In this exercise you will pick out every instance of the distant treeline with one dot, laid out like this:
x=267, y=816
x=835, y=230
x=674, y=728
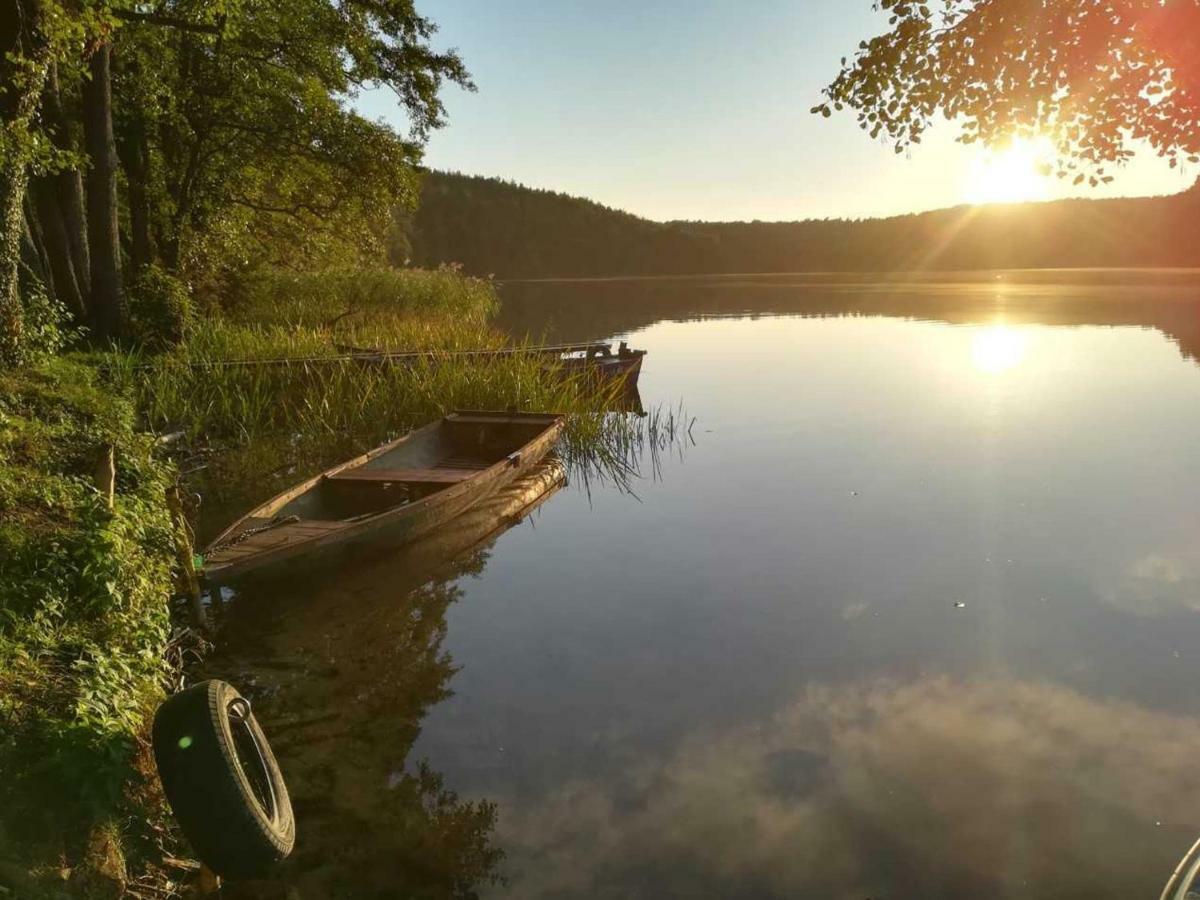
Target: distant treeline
x=500, y=228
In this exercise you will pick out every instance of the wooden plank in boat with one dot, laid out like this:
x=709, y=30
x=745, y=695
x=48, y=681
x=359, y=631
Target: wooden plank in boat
x=413, y=476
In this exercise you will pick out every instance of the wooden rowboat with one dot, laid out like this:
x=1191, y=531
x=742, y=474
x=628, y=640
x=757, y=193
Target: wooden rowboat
x=397, y=492
x=602, y=364
x=597, y=360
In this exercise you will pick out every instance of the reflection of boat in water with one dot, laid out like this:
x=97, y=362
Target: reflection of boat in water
x=479, y=525
x=396, y=492
x=345, y=666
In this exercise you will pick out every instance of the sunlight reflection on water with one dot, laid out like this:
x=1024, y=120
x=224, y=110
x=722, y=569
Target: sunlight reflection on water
x=915, y=617
x=998, y=348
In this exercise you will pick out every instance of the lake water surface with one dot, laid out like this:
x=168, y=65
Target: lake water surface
x=913, y=612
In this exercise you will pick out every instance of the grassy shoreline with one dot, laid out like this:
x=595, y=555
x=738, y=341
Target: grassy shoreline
x=83, y=594
x=85, y=588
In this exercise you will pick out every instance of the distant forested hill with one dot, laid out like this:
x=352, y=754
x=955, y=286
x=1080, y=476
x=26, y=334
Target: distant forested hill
x=500, y=228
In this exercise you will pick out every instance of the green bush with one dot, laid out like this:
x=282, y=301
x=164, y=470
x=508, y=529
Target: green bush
x=160, y=308
x=84, y=615
x=327, y=299
x=46, y=324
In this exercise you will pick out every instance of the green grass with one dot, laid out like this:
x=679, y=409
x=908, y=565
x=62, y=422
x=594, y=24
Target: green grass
x=378, y=298
x=84, y=617
x=84, y=589
x=316, y=408
x=196, y=389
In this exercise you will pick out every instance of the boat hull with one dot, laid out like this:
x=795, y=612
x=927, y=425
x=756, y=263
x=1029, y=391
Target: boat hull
x=390, y=528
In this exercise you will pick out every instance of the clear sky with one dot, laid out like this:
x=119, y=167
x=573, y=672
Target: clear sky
x=694, y=110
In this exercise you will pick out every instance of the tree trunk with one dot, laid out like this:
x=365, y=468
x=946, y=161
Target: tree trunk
x=38, y=264
x=64, y=281
x=32, y=273
x=107, y=301
x=24, y=61
x=65, y=193
x=74, y=210
x=12, y=224
x=135, y=160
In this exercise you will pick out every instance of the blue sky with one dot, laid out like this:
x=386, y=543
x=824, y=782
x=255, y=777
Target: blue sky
x=699, y=110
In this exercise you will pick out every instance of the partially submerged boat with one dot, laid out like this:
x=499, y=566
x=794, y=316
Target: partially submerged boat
x=396, y=492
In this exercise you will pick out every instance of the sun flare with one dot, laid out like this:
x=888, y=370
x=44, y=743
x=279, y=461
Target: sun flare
x=1011, y=174
x=996, y=349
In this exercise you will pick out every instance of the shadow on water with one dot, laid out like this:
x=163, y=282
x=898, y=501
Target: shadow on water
x=342, y=667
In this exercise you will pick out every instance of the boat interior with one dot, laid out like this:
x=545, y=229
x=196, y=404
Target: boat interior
x=428, y=461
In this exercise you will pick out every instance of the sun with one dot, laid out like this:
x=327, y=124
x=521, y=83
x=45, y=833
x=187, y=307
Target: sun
x=1011, y=174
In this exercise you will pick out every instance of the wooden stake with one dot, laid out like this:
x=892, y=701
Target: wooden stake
x=183, y=553
x=105, y=478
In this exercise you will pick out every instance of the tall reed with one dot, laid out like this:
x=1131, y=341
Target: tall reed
x=311, y=405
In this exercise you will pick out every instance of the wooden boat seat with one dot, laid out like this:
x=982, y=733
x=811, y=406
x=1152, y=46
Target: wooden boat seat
x=437, y=475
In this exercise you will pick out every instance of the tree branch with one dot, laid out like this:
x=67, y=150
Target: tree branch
x=166, y=21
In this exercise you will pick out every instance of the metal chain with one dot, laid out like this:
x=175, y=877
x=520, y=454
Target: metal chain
x=250, y=532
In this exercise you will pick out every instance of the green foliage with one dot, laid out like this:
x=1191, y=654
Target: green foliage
x=236, y=135
x=202, y=387
x=160, y=308
x=493, y=226
x=244, y=136
x=47, y=327
x=1092, y=77
x=497, y=227
x=324, y=299
x=84, y=619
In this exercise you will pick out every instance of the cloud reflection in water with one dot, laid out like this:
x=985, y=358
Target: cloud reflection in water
x=931, y=788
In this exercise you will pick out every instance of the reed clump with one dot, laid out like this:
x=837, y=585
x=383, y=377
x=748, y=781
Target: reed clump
x=618, y=450
x=381, y=297
x=273, y=386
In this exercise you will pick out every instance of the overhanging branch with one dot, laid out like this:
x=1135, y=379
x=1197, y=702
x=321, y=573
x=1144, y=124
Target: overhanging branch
x=166, y=21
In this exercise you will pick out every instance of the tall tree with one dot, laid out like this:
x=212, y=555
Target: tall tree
x=212, y=137
x=1093, y=76
x=60, y=209
x=107, y=300
x=24, y=64
x=242, y=128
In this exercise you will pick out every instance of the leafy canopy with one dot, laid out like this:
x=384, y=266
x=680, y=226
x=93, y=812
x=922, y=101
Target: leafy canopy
x=1092, y=76
x=255, y=151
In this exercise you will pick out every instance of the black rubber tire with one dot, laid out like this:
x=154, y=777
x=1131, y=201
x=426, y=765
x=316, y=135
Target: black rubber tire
x=232, y=831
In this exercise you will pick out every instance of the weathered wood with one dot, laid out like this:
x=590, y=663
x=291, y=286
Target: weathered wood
x=184, y=556
x=439, y=475
x=488, y=451
x=105, y=477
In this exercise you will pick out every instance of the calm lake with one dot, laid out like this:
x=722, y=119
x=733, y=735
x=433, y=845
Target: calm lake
x=914, y=611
